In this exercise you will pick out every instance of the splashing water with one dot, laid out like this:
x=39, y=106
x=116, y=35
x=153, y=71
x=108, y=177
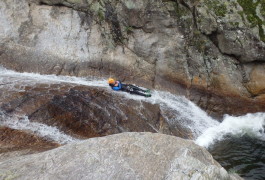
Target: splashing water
x=42, y=130
x=178, y=109
x=250, y=124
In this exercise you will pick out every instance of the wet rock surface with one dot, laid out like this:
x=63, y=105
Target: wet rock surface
x=121, y=156
x=91, y=112
x=16, y=143
x=76, y=110
x=88, y=112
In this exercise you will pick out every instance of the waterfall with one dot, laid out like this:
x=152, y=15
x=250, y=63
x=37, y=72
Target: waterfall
x=175, y=109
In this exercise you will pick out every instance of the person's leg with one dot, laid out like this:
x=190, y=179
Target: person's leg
x=140, y=93
x=137, y=88
x=126, y=87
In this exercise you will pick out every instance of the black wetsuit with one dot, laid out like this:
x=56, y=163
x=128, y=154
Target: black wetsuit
x=133, y=89
x=129, y=88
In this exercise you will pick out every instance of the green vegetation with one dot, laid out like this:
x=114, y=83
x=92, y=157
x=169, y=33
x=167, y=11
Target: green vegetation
x=128, y=29
x=181, y=10
x=234, y=24
x=218, y=8
x=184, y=16
x=99, y=9
x=262, y=9
x=198, y=41
x=249, y=7
x=101, y=15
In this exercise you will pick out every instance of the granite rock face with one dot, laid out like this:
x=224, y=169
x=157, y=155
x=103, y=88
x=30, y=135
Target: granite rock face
x=204, y=50
x=86, y=112
x=40, y=115
x=121, y=156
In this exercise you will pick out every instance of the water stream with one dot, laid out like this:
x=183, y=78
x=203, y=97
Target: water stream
x=237, y=142
x=42, y=130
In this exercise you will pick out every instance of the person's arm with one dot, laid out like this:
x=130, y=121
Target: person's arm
x=117, y=87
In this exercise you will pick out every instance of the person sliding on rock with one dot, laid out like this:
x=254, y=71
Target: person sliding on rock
x=118, y=86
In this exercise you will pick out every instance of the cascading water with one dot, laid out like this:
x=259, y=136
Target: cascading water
x=252, y=125
x=176, y=109
x=206, y=131
x=42, y=130
x=9, y=79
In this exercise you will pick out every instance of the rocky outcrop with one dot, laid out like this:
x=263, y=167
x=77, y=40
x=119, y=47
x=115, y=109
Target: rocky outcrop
x=121, y=156
x=208, y=51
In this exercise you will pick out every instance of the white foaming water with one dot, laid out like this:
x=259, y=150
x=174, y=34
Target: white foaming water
x=183, y=112
x=249, y=124
x=177, y=110
x=42, y=130
x=34, y=78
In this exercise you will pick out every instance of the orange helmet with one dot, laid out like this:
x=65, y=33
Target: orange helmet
x=111, y=81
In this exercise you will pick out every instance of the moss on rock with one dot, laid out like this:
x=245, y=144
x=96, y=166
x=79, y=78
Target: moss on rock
x=219, y=8
x=262, y=10
x=249, y=9
x=181, y=10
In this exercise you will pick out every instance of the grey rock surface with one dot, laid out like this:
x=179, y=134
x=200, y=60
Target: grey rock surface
x=121, y=156
x=238, y=32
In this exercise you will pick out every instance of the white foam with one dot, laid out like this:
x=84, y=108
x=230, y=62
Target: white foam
x=179, y=110
x=42, y=130
x=34, y=78
x=249, y=124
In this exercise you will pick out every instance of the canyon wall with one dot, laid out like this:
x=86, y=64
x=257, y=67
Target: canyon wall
x=211, y=52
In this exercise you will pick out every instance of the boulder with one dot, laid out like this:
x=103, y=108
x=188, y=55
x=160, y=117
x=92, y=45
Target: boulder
x=121, y=156
x=256, y=83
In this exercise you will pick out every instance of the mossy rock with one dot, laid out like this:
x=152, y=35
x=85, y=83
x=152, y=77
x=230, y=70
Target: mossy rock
x=181, y=10
x=219, y=8
x=250, y=10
